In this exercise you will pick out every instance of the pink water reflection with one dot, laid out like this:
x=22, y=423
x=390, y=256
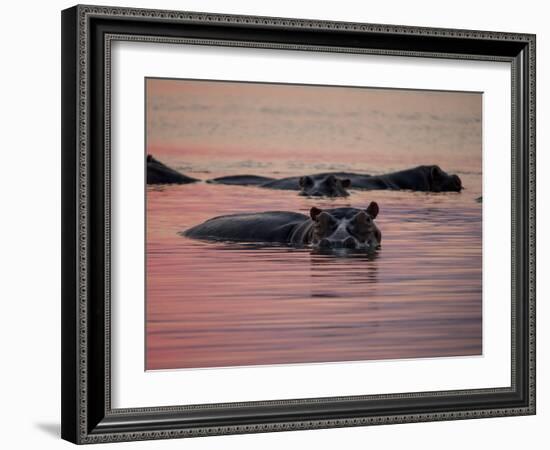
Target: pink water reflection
x=214, y=304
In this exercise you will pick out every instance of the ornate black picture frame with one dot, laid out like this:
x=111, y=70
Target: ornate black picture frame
x=87, y=34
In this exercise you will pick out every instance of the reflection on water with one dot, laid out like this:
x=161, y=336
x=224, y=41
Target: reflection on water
x=214, y=304
x=217, y=304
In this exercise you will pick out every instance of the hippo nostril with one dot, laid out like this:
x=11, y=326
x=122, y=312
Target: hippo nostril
x=324, y=243
x=350, y=243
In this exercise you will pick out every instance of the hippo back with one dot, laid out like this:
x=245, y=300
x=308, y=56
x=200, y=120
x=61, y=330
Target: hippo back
x=288, y=184
x=159, y=173
x=241, y=180
x=270, y=226
x=421, y=178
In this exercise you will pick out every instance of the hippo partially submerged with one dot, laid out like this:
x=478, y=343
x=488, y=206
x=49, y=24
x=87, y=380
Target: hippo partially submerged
x=350, y=228
x=159, y=173
x=327, y=185
x=422, y=178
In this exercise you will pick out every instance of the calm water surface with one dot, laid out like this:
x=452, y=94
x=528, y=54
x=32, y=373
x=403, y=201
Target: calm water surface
x=216, y=304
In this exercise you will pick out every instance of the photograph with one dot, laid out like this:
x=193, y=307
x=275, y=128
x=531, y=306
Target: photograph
x=276, y=220
x=301, y=223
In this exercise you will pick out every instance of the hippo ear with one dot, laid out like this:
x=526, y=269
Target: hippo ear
x=314, y=212
x=306, y=182
x=149, y=158
x=346, y=182
x=373, y=209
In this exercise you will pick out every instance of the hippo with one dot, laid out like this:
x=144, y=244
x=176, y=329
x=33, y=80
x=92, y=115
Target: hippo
x=422, y=178
x=343, y=228
x=159, y=173
x=327, y=185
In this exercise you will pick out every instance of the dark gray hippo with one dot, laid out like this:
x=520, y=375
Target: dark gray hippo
x=321, y=185
x=349, y=228
x=159, y=173
x=422, y=178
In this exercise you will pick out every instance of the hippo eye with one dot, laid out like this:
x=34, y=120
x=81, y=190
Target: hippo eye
x=367, y=219
x=362, y=219
x=325, y=220
x=331, y=222
x=356, y=233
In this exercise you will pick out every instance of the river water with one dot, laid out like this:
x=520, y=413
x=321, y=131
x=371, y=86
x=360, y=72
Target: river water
x=216, y=304
x=221, y=304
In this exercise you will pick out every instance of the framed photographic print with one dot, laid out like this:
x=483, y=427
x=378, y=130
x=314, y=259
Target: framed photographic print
x=277, y=224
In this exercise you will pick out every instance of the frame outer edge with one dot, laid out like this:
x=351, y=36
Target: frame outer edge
x=75, y=210
x=295, y=23
x=532, y=143
x=69, y=264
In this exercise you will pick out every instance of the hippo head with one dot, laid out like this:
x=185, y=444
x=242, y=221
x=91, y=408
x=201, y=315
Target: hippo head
x=441, y=181
x=328, y=186
x=346, y=228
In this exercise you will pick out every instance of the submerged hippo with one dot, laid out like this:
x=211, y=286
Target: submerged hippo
x=350, y=228
x=422, y=178
x=327, y=185
x=159, y=173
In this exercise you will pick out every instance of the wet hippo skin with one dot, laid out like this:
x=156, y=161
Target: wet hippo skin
x=422, y=178
x=328, y=185
x=159, y=173
x=346, y=227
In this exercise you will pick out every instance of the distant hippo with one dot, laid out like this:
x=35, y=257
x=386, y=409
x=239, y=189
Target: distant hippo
x=421, y=178
x=321, y=185
x=159, y=173
x=350, y=228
